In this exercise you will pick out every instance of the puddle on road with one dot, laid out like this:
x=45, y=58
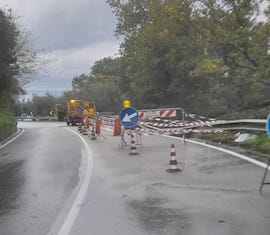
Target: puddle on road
x=154, y=217
x=4, y=154
x=204, y=188
x=11, y=181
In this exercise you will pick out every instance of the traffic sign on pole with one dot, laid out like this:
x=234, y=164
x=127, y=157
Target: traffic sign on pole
x=268, y=164
x=129, y=117
x=268, y=125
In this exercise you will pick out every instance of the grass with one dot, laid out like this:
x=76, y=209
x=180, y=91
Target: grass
x=260, y=144
x=6, y=119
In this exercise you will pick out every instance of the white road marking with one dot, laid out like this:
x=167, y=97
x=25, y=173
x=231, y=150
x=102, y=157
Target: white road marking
x=241, y=156
x=5, y=144
x=74, y=211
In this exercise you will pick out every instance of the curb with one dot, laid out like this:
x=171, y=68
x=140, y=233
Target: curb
x=11, y=138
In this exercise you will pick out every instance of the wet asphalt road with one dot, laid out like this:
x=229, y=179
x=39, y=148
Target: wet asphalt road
x=216, y=193
x=38, y=171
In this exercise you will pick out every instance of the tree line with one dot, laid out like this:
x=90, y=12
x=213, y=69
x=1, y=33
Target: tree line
x=208, y=57
x=18, y=61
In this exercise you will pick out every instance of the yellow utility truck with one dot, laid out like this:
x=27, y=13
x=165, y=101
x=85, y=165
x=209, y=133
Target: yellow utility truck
x=59, y=112
x=76, y=109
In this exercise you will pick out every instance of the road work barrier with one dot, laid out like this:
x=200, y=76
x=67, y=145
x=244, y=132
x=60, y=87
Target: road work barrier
x=144, y=130
x=173, y=162
x=153, y=113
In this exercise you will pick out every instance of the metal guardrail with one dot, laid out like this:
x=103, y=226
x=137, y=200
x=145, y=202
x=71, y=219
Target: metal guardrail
x=242, y=124
x=36, y=118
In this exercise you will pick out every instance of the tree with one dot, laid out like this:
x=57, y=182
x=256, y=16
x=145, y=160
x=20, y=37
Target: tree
x=17, y=59
x=101, y=86
x=207, y=56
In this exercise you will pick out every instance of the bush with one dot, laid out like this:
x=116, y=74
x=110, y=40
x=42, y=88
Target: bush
x=8, y=124
x=6, y=118
x=261, y=143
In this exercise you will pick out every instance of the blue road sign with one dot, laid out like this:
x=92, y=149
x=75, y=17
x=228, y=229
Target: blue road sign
x=129, y=117
x=268, y=125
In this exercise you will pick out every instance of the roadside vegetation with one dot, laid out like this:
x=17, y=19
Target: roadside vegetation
x=6, y=119
x=260, y=144
x=209, y=57
x=17, y=64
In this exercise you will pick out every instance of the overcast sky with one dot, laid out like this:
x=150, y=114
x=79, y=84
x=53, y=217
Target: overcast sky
x=75, y=33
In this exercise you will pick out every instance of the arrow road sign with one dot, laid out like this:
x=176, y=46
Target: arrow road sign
x=129, y=117
x=268, y=125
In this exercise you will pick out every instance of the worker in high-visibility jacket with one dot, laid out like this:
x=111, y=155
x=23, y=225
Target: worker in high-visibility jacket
x=87, y=122
x=85, y=114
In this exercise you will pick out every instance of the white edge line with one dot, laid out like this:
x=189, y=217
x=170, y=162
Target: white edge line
x=241, y=156
x=15, y=137
x=74, y=211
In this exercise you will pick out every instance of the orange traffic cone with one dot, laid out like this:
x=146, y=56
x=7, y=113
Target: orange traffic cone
x=173, y=161
x=98, y=124
x=117, y=127
x=133, y=150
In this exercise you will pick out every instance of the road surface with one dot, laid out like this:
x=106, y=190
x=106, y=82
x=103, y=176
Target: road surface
x=216, y=193
x=38, y=171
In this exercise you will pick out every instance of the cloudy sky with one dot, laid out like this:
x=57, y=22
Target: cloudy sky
x=75, y=33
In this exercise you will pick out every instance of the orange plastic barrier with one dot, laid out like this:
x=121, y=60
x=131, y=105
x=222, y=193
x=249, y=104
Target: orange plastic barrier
x=98, y=124
x=117, y=127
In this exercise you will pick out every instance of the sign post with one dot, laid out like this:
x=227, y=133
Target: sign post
x=129, y=118
x=268, y=164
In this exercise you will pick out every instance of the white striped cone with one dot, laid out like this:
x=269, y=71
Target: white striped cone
x=133, y=150
x=79, y=127
x=93, y=133
x=84, y=132
x=173, y=161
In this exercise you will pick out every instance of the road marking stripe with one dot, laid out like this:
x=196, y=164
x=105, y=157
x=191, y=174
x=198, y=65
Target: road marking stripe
x=74, y=211
x=15, y=137
x=241, y=156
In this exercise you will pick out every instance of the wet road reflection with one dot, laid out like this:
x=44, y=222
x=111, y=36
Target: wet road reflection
x=38, y=171
x=11, y=182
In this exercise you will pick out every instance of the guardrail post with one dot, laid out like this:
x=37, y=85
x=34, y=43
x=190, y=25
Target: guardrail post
x=264, y=176
x=183, y=119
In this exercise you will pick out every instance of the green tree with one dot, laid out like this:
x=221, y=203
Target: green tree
x=17, y=59
x=101, y=86
x=207, y=56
